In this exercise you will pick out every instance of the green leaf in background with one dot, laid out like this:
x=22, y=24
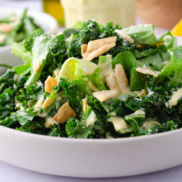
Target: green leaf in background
x=20, y=51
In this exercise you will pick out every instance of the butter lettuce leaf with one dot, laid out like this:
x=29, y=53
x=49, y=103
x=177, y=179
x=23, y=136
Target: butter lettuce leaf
x=142, y=34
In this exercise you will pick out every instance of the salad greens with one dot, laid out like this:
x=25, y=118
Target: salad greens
x=15, y=29
x=94, y=81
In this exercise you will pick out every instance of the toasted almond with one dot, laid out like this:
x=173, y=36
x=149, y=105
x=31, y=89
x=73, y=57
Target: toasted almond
x=92, y=87
x=147, y=71
x=84, y=105
x=64, y=113
x=118, y=80
x=112, y=83
x=49, y=83
x=2, y=38
x=47, y=102
x=36, y=65
x=83, y=49
x=96, y=44
x=91, y=55
x=121, y=79
x=97, y=47
x=105, y=95
x=5, y=27
x=141, y=93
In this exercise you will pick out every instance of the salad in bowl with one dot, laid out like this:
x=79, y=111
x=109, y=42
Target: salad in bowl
x=94, y=81
x=14, y=28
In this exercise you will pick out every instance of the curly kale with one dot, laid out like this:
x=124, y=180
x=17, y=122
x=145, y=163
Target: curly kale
x=91, y=31
x=76, y=129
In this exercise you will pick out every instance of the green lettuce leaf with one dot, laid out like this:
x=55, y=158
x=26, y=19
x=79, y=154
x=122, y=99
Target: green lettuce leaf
x=129, y=63
x=173, y=69
x=142, y=34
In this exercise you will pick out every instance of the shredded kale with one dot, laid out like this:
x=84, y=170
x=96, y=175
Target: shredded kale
x=54, y=72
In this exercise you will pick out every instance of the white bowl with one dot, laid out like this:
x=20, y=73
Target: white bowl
x=179, y=38
x=92, y=158
x=44, y=20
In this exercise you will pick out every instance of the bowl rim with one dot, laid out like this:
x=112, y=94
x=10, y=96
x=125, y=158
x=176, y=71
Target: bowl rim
x=93, y=140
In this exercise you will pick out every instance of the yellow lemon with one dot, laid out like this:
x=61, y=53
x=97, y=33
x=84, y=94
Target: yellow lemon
x=177, y=30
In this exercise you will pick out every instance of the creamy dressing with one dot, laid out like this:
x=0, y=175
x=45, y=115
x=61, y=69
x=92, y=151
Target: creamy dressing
x=109, y=136
x=18, y=104
x=149, y=124
x=39, y=103
x=175, y=97
x=91, y=119
x=119, y=123
x=137, y=112
x=49, y=122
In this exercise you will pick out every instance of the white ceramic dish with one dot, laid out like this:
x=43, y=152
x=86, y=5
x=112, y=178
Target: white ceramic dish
x=44, y=20
x=92, y=158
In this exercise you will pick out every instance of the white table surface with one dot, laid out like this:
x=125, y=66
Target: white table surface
x=9, y=173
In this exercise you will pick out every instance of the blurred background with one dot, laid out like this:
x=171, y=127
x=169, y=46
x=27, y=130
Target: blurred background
x=164, y=14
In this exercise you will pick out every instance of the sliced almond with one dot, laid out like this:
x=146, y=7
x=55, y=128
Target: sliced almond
x=105, y=95
x=64, y=113
x=141, y=93
x=147, y=71
x=121, y=79
x=2, y=38
x=118, y=80
x=112, y=83
x=84, y=105
x=36, y=65
x=56, y=73
x=97, y=47
x=49, y=83
x=47, y=102
x=92, y=87
x=5, y=27
x=125, y=36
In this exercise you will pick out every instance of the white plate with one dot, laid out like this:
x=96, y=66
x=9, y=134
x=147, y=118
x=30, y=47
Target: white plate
x=88, y=157
x=44, y=20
